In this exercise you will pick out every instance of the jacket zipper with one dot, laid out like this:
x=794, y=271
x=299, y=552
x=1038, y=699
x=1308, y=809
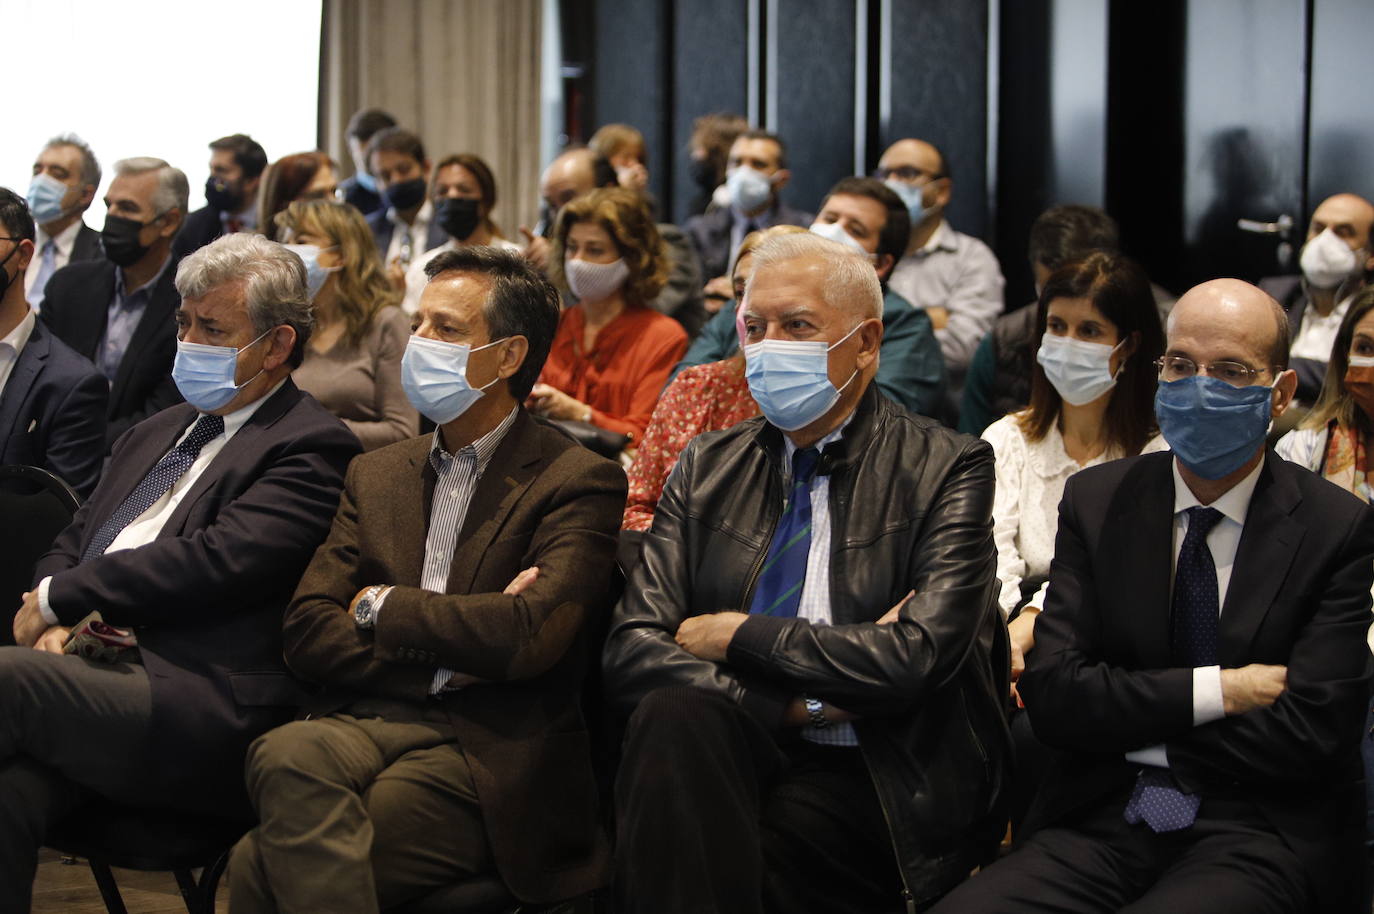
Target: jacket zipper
x=908, y=899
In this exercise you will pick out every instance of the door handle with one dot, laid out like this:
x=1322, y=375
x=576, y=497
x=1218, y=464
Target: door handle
x=1282, y=227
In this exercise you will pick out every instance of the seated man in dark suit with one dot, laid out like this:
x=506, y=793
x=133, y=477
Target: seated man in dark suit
x=446, y=618
x=404, y=225
x=756, y=173
x=1201, y=664
x=237, y=162
x=194, y=539
x=805, y=733
x=118, y=311
x=66, y=175
x=52, y=401
x=360, y=190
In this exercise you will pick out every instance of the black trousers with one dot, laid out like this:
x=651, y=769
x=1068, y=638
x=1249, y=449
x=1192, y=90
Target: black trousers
x=716, y=815
x=1228, y=860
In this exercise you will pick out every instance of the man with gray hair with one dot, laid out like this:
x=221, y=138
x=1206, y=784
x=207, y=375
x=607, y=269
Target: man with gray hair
x=809, y=649
x=191, y=545
x=66, y=175
x=117, y=311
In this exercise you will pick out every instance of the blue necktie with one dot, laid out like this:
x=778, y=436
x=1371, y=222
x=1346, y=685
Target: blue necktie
x=46, y=267
x=1193, y=643
x=157, y=483
x=784, y=570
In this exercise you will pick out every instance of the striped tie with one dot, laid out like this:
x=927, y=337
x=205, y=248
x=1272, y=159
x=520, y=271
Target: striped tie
x=784, y=572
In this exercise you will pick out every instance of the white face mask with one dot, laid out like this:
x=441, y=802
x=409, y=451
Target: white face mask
x=595, y=281
x=833, y=231
x=1080, y=371
x=1327, y=261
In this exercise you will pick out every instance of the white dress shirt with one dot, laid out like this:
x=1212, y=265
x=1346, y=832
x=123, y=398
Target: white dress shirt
x=815, y=595
x=1222, y=542
x=415, y=235
x=12, y=345
x=145, y=528
x=1317, y=334
x=63, y=243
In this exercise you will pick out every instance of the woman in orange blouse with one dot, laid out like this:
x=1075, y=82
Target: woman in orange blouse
x=703, y=398
x=612, y=354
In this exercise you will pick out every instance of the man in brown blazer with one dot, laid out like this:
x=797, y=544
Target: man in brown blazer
x=446, y=619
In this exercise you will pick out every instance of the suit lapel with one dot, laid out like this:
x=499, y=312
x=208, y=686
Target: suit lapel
x=156, y=320
x=139, y=455
x=22, y=376
x=1268, y=543
x=512, y=469
x=1139, y=540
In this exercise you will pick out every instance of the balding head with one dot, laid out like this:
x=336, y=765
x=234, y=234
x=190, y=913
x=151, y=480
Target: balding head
x=1230, y=320
x=915, y=153
x=1350, y=218
x=572, y=174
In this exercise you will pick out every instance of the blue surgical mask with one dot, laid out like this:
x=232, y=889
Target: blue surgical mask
x=366, y=181
x=790, y=379
x=749, y=190
x=912, y=195
x=1211, y=426
x=434, y=375
x=1079, y=370
x=45, y=198
x=315, y=275
x=205, y=374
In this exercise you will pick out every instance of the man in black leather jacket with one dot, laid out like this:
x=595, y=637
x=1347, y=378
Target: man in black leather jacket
x=848, y=755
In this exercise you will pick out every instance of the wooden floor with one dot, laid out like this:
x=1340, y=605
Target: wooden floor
x=70, y=889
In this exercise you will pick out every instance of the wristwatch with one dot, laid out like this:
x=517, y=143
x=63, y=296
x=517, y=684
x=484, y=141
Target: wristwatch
x=815, y=709
x=366, y=607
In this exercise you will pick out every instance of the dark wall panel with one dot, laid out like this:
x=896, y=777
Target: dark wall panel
x=710, y=74
x=938, y=72
x=813, y=87
x=628, y=77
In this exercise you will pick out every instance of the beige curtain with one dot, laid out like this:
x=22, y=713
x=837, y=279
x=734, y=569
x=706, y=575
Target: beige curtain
x=464, y=74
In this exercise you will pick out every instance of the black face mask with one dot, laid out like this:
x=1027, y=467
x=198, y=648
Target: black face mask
x=7, y=278
x=120, y=237
x=703, y=173
x=458, y=215
x=223, y=196
x=404, y=194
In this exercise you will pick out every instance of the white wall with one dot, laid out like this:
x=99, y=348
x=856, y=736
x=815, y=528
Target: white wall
x=157, y=77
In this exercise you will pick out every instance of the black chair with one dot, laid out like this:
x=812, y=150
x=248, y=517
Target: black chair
x=108, y=834
x=35, y=506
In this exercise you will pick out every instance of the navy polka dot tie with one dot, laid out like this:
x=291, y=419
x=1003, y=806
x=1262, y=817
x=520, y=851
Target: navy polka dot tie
x=156, y=484
x=1193, y=642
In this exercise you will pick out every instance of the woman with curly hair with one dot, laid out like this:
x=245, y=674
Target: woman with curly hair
x=353, y=360
x=612, y=354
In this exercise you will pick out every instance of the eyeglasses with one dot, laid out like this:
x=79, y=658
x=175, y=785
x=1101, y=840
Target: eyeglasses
x=908, y=173
x=1237, y=374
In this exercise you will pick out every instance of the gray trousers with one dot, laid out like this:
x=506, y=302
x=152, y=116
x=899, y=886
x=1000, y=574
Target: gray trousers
x=357, y=810
x=69, y=728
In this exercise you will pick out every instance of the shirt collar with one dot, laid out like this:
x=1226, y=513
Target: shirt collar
x=247, y=217
x=17, y=338
x=422, y=216
x=761, y=220
x=790, y=448
x=483, y=448
x=1234, y=503
x=147, y=287
x=239, y=417
x=63, y=240
x=942, y=240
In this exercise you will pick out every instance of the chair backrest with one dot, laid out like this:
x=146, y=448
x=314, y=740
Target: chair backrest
x=35, y=506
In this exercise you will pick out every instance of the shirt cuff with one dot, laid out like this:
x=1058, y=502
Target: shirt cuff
x=440, y=681
x=1037, y=602
x=44, y=609
x=1207, y=702
x=1156, y=756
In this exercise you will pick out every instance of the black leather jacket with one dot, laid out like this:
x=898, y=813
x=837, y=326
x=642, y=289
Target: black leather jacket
x=911, y=509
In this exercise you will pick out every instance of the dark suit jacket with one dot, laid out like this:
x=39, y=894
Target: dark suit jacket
x=206, y=597
x=87, y=245
x=382, y=229
x=1290, y=292
x=542, y=501
x=1101, y=681
x=52, y=412
x=710, y=234
x=200, y=228
x=76, y=307
x=364, y=200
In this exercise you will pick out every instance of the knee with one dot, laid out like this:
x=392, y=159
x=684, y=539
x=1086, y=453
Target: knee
x=669, y=716
x=288, y=749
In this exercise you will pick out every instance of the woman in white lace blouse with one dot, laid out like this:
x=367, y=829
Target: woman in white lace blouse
x=1092, y=400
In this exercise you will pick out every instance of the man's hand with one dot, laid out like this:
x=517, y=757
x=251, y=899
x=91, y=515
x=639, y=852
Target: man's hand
x=521, y=581
x=1256, y=685
x=552, y=402
x=708, y=637
x=29, y=623
x=537, y=249
x=890, y=616
x=632, y=177
x=939, y=317
x=396, y=275
x=718, y=291
x=53, y=639
x=1022, y=633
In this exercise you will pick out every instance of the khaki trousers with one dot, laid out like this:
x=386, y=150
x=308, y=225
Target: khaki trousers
x=358, y=811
